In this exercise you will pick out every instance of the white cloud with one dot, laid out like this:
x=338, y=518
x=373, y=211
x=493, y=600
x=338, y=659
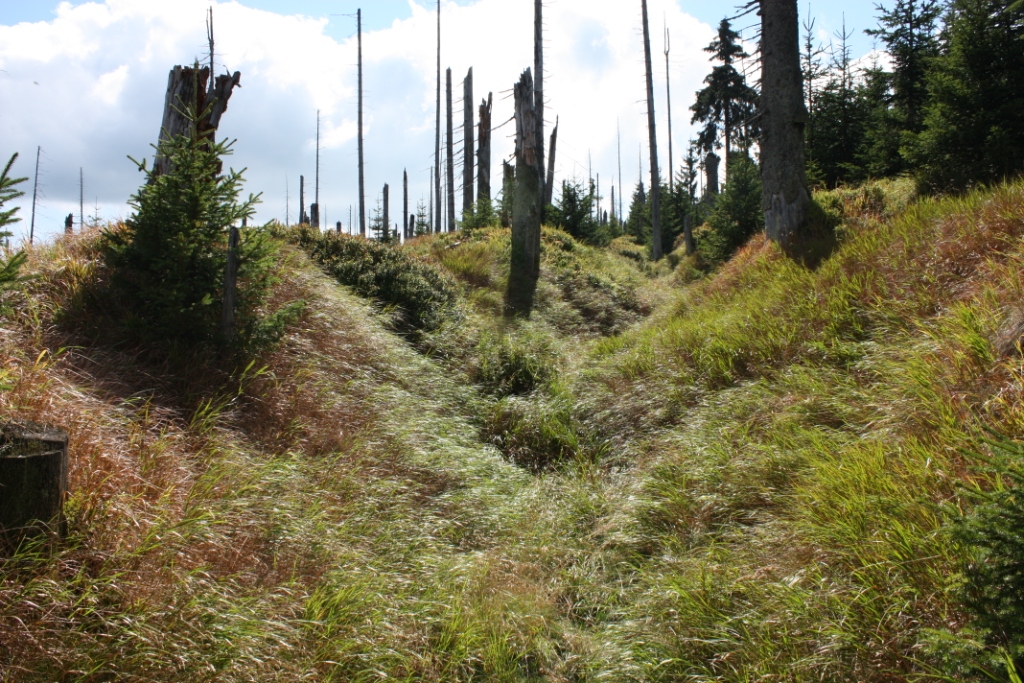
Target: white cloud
x=101, y=70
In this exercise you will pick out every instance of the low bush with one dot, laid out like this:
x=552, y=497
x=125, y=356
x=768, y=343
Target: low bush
x=514, y=364
x=425, y=298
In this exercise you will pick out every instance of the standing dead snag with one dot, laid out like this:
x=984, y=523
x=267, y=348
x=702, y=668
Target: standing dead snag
x=549, y=183
x=362, y=184
x=784, y=196
x=450, y=176
x=508, y=191
x=655, y=180
x=468, y=144
x=385, y=230
x=524, y=269
x=187, y=90
x=436, y=197
x=538, y=84
x=483, y=154
x=405, y=201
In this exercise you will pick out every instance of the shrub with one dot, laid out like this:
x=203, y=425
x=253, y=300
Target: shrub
x=994, y=528
x=168, y=260
x=424, y=296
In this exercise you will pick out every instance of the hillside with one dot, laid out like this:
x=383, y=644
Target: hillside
x=661, y=477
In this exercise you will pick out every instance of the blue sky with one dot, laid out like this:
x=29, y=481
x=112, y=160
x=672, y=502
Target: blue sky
x=89, y=79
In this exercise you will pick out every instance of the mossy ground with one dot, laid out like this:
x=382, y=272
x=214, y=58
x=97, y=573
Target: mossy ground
x=744, y=476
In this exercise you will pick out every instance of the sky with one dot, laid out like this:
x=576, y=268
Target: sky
x=85, y=82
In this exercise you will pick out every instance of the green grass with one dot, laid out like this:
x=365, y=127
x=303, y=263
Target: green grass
x=744, y=476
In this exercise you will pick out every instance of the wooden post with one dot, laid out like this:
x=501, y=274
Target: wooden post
x=468, y=144
x=33, y=481
x=227, y=327
x=450, y=176
x=655, y=179
x=483, y=155
x=524, y=269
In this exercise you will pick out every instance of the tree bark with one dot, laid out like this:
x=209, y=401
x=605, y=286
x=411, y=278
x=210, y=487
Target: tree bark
x=468, y=144
x=524, y=269
x=668, y=104
x=302, y=201
x=783, y=175
x=655, y=179
x=688, y=234
x=483, y=161
x=187, y=89
x=549, y=182
x=33, y=481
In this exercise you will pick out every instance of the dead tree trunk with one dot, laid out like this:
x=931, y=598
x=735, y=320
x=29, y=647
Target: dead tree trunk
x=655, y=180
x=412, y=226
x=302, y=201
x=483, y=155
x=437, y=137
x=688, y=234
x=362, y=184
x=450, y=175
x=549, y=182
x=188, y=94
x=227, y=317
x=385, y=232
x=783, y=175
x=33, y=481
x=668, y=101
x=538, y=85
x=69, y=224
x=468, y=144
x=508, y=192
x=405, y=200
x=711, y=162
x=524, y=269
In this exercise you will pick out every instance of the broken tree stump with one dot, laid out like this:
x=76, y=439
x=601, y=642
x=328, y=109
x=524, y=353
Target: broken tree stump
x=524, y=269
x=187, y=91
x=33, y=481
x=483, y=154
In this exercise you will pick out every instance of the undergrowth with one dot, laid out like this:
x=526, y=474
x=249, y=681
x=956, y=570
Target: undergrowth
x=750, y=475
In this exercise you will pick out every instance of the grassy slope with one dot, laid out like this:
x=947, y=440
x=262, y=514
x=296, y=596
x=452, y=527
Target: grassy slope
x=747, y=488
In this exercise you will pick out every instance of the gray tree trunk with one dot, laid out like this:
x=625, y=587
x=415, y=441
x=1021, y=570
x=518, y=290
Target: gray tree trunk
x=405, y=200
x=538, y=83
x=524, y=269
x=688, y=234
x=187, y=89
x=362, y=184
x=711, y=163
x=450, y=144
x=783, y=175
x=385, y=232
x=483, y=160
x=227, y=316
x=508, y=191
x=549, y=182
x=668, y=104
x=302, y=201
x=468, y=144
x=655, y=179
x=33, y=481
x=436, y=214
